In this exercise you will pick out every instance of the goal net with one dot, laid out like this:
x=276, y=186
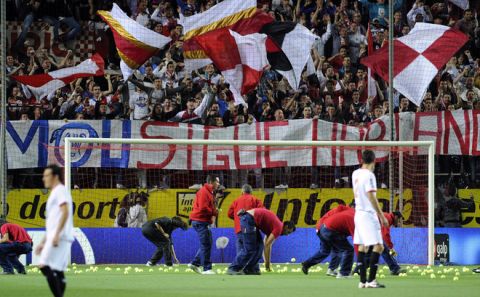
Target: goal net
x=298, y=180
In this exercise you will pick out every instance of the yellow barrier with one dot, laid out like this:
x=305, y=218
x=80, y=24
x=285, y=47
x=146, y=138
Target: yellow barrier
x=98, y=207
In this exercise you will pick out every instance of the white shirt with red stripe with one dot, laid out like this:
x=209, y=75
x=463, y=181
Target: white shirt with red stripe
x=364, y=181
x=58, y=197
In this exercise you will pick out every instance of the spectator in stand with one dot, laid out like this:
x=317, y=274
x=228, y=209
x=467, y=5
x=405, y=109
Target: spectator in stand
x=452, y=206
x=142, y=16
x=419, y=12
x=137, y=216
x=59, y=13
x=284, y=11
x=139, y=104
x=121, y=220
x=165, y=17
x=195, y=112
x=155, y=92
x=379, y=9
x=28, y=11
x=468, y=24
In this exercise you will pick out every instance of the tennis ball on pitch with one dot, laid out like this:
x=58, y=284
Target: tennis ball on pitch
x=381, y=276
x=443, y=276
x=422, y=274
x=455, y=278
x=118, y=269
x=457, y=273
x=150, y=270
x=293, y=260
x=125, y=272
x=433, y=275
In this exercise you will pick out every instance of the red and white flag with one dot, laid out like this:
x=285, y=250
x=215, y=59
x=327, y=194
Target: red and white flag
x=42, y=85
x=371, y=83
x=418, y=56
x=240, y=58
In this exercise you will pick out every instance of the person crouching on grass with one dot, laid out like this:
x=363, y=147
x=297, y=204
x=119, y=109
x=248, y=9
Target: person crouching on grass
x=246, y=202
x=252, y=222
x=14, y=241
x=159, y=232
x=203, y=216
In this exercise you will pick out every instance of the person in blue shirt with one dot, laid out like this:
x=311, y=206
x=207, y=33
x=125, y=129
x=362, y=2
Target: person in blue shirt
x=379, y=9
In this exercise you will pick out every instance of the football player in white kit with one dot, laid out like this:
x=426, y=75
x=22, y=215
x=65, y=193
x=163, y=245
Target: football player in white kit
x=54, y=250
x=368, y=216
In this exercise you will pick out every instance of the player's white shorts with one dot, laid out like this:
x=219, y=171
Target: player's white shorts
x=57, y=258
x=367, y=229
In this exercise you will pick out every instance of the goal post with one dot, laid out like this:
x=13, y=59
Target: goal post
x=427, y=148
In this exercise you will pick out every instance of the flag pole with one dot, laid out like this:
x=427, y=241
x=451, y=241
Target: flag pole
x=3, y=110
x=391, y=161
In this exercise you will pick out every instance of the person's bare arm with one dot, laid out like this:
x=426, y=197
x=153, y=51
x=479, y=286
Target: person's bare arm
x=65, y=59
x=39, y=247
x=162, y=231
x=34, y=68
x=5, y=238
x=267, y=252
x=61, y=223
x=373, y=199
x=379, y=92
x=110, y=86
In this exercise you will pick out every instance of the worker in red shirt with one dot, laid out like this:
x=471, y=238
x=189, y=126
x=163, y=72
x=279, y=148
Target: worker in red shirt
x=333, y=234
x=335, y=256
x=389, y=254
x=203, y=215
x=251, y=223
x=246, y=202
x=14, y=242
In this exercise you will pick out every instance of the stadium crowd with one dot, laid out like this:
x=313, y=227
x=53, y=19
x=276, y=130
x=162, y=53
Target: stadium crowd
x=161, y=90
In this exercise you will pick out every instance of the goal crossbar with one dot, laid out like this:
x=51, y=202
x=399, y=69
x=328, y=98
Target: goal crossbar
x=430, y=145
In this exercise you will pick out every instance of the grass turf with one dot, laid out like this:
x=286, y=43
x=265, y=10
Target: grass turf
x=113, y=281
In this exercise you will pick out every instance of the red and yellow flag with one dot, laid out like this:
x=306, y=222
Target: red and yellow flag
x=135, y=43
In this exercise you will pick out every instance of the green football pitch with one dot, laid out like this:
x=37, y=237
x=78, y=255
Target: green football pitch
x=286, y=280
